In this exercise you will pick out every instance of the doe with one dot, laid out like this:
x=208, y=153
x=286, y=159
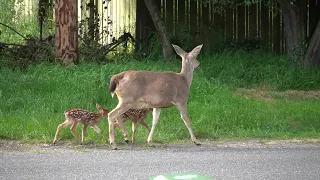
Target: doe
x=145, y=89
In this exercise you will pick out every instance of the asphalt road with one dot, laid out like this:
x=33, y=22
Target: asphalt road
x=238, y=160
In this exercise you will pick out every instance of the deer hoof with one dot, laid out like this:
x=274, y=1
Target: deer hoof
x=54, y=142
x=197, y=143
x=113, y=146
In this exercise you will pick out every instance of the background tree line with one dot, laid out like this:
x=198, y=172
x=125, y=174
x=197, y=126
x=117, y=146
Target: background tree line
x=187, y=22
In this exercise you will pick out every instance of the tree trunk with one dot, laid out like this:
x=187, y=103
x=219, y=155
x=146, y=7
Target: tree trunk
x=312, y=57
x=167, y=49
x=91, y=25
x=66, y=36
x=43, y=7
x=294, y=20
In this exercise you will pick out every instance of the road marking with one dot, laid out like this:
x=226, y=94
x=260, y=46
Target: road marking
x=188, y=176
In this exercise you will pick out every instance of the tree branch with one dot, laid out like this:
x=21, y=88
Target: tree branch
x=14, y=30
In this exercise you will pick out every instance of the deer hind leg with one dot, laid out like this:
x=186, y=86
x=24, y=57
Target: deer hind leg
x=60, y=126
x=185, y=118
x=112, y=117
x=155, y=118
x=73, y=130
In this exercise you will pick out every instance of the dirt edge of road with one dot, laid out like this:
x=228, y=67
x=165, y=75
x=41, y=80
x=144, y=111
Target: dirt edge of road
x=21, y=146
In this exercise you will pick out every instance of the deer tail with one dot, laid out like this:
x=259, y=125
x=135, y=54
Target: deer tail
x=114, y=82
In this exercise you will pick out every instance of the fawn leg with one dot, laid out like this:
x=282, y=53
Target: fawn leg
x=73, y=130
x=124, y=130
x=184, y=115
x=60, y=126
x=84, y=130
x=155, y=118
x=134, y=125
x=97, y=129
x=145, y=125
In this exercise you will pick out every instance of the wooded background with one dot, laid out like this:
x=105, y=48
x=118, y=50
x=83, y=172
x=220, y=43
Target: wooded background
x=259, y=23
x=192, y=21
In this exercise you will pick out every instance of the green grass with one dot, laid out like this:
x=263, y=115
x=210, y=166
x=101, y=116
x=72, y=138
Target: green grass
x=32, y=102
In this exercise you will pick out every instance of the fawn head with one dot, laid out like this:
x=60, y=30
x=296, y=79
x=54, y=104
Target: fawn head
x=103, y=112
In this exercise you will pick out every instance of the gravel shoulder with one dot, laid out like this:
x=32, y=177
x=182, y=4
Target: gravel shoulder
x=7, y=146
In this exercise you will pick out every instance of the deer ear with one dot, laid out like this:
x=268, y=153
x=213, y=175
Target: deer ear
x=178, y=50
x=196, y=51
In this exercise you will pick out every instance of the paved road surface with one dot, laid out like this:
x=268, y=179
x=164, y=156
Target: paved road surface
x=242, y=160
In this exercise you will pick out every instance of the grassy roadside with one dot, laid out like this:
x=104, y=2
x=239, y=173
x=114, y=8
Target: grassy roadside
x=232, y=96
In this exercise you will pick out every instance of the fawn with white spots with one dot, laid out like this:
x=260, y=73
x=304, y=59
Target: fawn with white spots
x=136, y=116
x=75, y=117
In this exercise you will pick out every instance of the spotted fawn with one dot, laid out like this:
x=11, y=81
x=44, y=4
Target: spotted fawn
x=136, y=116
x=74, y=117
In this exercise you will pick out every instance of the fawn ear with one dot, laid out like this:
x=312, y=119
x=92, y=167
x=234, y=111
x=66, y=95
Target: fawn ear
x=179, y=51
x=196, y=51
x=98, y=106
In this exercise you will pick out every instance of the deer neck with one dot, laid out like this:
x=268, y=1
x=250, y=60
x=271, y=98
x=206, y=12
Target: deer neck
x=187, y=72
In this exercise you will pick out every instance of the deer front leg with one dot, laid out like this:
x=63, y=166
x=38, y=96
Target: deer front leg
x=155, y=118
x=62, y=125
x=185, y=118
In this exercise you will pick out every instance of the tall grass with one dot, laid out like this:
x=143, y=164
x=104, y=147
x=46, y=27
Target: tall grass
x=32, y=102
x=259, y=70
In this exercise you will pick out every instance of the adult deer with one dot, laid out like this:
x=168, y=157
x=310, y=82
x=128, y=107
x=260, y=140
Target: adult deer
x=145, y=89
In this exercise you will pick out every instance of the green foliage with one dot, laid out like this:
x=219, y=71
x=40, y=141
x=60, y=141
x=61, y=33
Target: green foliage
x=33, y=101
x=258, y=69
x=151, y=48
x=298, y=52
x=6, y=12
x=20, y=45
x=19, y=38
